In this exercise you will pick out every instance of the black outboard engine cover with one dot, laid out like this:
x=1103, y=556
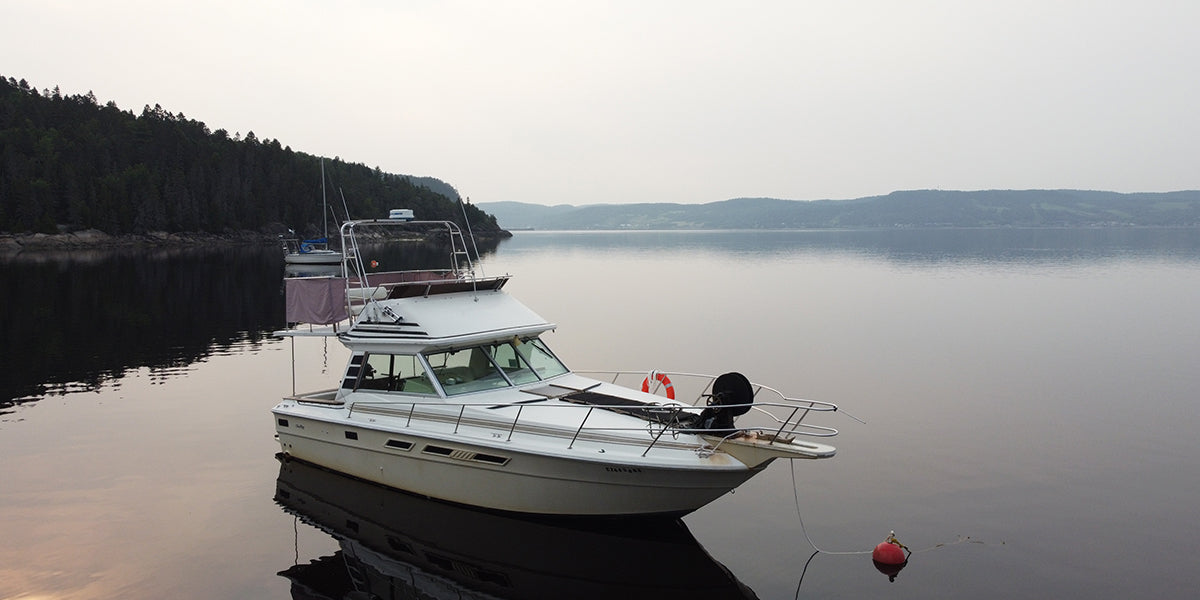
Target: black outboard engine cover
x=731, y=397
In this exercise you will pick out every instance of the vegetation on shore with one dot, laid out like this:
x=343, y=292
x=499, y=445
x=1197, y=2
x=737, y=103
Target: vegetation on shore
x=70, y=164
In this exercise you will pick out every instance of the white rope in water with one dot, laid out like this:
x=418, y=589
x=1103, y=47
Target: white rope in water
x=796, y=495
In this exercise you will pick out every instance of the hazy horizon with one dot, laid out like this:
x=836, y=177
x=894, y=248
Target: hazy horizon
x=684, y=102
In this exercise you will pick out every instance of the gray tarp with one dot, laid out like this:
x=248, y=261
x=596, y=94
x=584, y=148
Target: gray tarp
x=316, y=300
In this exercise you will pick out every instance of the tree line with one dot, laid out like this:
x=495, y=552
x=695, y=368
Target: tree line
x=68, y=163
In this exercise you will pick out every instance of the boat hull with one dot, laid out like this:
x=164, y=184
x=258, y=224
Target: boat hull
x=508, y=479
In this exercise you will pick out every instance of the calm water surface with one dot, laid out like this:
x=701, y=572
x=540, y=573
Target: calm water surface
x=1029, y=399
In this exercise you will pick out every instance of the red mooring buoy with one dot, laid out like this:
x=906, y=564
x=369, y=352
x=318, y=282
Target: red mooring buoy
x=890, y=556
x=889, y=553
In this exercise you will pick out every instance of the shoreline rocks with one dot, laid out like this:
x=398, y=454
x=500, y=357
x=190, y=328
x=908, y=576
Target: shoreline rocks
x=93, y=238
x=11, y=243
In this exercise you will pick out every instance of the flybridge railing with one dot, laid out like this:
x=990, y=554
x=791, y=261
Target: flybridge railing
x=364, y=287
x=325, y=300
x=356, y=269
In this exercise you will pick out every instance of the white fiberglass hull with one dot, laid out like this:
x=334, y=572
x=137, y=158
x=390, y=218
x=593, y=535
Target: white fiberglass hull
x=456, y=469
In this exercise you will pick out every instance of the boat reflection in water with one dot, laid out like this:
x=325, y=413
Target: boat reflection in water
x=313, y=270
x=397, y=545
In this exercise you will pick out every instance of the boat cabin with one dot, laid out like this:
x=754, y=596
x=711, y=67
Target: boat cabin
x=454, y=371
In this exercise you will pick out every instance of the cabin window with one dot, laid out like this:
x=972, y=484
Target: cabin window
x=511, y=361
x=394, y=373
x=494, y=366
x=526, y=361
x=465, y=370
x=541, y=359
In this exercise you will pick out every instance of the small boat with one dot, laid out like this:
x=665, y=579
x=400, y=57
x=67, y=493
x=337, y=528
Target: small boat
x=315, y=251
x=396, y=545
x=309, y=252
x=451, y=392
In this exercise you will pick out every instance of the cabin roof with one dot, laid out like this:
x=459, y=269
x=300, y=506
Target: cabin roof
x=421, y=323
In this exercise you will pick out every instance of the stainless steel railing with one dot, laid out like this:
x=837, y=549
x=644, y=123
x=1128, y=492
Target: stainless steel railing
x=776, y=417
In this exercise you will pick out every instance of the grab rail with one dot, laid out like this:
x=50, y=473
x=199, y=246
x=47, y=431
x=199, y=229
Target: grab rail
x=705, y=385
x=787, y=418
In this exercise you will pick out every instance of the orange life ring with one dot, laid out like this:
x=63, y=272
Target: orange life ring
x=664, y=380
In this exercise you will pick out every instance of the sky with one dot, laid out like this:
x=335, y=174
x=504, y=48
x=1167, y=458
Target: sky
x=584, y=102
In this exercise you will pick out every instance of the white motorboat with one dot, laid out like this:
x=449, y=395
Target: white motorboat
x=450, y=392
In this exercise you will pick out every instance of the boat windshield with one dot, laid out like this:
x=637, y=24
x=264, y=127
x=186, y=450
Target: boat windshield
x=495, y=365
x=540, y=358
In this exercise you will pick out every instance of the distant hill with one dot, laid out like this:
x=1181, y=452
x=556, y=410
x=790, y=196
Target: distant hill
x=436, y=186
x=524, y=216
x=916, y=208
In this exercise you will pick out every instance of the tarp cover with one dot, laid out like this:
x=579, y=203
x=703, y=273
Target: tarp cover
x=316, y=300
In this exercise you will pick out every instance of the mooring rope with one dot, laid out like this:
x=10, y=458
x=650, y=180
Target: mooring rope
x=796, y=496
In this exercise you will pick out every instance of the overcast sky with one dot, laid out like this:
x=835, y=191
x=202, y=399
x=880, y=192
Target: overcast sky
x=566, y=102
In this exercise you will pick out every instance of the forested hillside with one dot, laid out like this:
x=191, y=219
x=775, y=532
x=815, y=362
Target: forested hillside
x=70, y=163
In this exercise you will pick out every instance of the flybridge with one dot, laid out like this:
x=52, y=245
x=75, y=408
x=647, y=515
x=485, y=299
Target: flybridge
x=329, y=300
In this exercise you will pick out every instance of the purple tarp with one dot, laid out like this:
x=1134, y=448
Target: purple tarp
x=316, y=300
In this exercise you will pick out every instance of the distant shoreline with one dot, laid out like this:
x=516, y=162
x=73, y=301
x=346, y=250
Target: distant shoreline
x=910, y=208
x=92, y=238
x=12, y=243
x=895, y=228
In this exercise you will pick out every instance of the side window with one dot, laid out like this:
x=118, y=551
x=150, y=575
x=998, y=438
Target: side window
x=394, y=373
x=376, y=372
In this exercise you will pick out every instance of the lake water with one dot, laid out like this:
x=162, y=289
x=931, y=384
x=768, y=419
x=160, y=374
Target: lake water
x=1029, y=399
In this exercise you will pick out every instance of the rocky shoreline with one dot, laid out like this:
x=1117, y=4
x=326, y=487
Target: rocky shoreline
x=93, y=238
